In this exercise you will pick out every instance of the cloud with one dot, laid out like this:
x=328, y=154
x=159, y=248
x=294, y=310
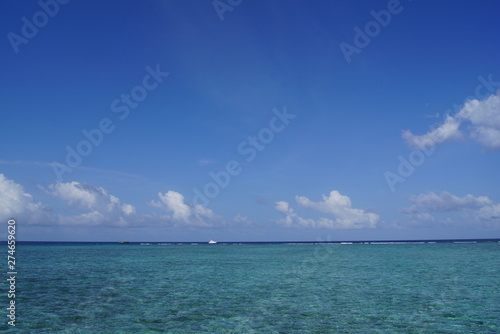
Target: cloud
x=344, y=216
x=489, y=215
x=98, y=206
x=243, y=221
x=418, y=220
x=184, y=214
x=88, y=197
x=95, y=206
x=240, y=219
x=469, y=208
x=448, y=130
x=445, y=202
x=482, y=116
x=16, y=203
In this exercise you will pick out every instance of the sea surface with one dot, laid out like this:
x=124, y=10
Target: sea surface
x=256, y=288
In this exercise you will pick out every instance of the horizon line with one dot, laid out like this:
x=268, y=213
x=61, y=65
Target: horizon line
x=271, y=242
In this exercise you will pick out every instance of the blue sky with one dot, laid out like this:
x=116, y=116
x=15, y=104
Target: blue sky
x=399, y=139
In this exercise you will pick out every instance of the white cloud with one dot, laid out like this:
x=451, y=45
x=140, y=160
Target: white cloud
x=16, y=203
x=483, y=117
x=469, y=208
x=448, y=130
x=489, y=215
x=184, y=214
x=174, y=202
x=344, y=216
x=102, y=208
x=97, y=207
x=88, y=197
x=291, y=219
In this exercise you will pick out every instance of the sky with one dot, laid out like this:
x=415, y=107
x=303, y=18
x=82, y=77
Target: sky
x=238, y=120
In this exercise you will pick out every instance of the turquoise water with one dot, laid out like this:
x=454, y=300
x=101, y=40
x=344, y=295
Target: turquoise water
x=274, y=288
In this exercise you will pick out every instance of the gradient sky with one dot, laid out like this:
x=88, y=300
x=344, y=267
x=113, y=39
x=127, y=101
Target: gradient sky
x=318, y=121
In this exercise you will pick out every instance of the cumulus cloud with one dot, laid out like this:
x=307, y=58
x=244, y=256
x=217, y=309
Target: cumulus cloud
x=15, y=202
x=339, y=207
x=469, y=207
x=95, y=206
x=184, y=214
x=291, y=219
x=89, y=197
x=481, y=116
x=484, y=117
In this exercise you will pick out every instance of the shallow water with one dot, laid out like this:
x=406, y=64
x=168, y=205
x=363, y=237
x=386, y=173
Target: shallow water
x=272, y=288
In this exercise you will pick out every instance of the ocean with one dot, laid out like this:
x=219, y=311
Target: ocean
x=256, y=288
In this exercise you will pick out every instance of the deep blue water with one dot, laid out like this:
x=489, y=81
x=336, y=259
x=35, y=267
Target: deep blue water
x=257, y=288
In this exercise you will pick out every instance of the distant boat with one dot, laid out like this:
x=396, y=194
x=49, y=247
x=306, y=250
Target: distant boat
x=124, y=242
x=212, y=242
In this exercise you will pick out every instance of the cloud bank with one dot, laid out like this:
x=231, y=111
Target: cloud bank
x=95, y=206
x=469, y=208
